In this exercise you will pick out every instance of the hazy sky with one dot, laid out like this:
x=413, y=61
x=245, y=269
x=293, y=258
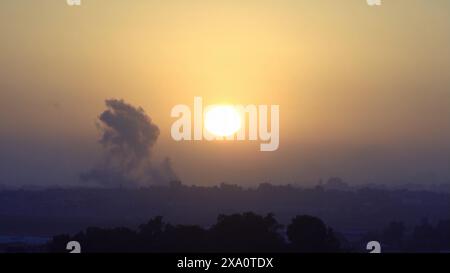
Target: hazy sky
x=364, y=92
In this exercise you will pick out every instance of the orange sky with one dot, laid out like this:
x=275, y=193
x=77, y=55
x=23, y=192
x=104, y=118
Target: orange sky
x=364, y=92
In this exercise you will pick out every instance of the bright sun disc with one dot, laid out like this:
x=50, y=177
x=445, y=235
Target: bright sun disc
x=222, y=120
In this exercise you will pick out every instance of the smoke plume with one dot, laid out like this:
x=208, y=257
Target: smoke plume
x=128, y=136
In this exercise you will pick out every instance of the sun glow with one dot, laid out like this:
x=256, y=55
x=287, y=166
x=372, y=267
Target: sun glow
x=222, y=120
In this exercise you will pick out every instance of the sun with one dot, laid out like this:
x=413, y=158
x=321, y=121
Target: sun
x=222, y=120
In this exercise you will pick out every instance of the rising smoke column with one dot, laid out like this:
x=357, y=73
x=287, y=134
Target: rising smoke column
x=127, y=137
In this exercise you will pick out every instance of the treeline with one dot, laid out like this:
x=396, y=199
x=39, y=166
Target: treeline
x=247, y=232
x=424, y=237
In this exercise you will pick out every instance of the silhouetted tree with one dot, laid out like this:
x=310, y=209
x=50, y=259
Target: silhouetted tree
x=424, y=238
x=58, y=243
x=107, y=240
x=443, y=231
x=185, y=238
x=310, y=234
x=151, y=233
x=393, y=234
x=246, y=232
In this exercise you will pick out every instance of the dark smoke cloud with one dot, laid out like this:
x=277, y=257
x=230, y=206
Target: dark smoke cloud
x=128, y=136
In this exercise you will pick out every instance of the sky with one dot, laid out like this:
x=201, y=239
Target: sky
x=364, y=92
